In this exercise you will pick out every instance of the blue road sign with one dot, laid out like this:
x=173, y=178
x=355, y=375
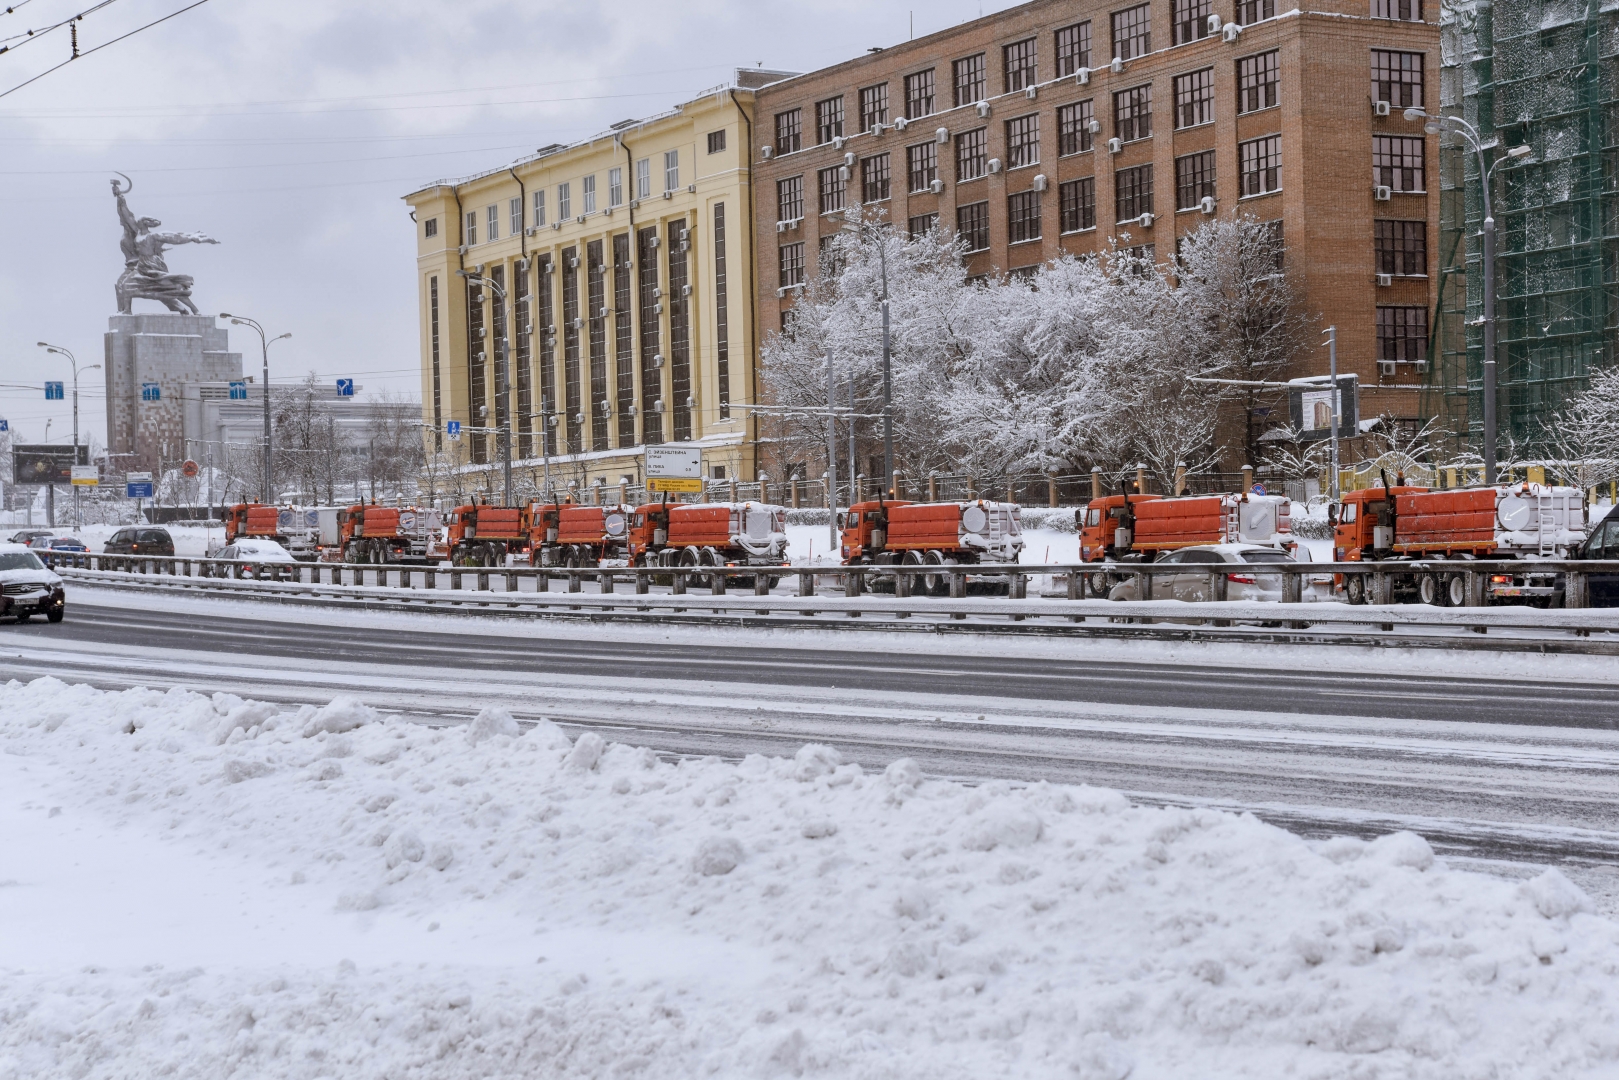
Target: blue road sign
x=1259, y=489
x=238, y=391
x=5, y=425
x=53, y=391
x=452, y=428
x=345, y=387
x=139, y=491
x=150, y=391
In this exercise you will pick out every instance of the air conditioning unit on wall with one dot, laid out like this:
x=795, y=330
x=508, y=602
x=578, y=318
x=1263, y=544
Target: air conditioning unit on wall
x=1114, y=146
x=1386, y=369
x=1385, y=280
x=1380, y=108
x=1083, y=76
x=1382, y=192
x=1206, y=204
x=936, y=186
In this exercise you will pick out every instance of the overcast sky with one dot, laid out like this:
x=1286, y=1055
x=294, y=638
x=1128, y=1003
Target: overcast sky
x=289, y=129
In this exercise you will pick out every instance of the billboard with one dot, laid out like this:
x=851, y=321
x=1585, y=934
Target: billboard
x=47, y=464
x=1311, y=404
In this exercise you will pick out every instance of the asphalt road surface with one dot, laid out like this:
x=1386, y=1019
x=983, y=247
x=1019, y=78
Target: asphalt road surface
x=1521, y=768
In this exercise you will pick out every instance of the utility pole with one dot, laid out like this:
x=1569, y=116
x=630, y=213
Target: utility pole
x=854, y=471
x=504, y=432
x=888, y=382
x=831, y=459
x=78, y=521
x=1337, y=407
x=264, y=347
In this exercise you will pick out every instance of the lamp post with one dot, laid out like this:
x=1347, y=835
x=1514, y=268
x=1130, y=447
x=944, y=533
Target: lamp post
x=1457, y=126
x=852, y=220
x=264, y=346
x=60, y=351
x=504, y=388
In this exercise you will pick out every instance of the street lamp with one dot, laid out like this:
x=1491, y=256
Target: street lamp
x=60, y=351
x=505, y=431
x=855, y=222
x=264, y=346
x=1457, y=126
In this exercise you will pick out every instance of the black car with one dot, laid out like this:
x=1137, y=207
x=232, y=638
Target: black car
x=142, y=540
x=1603, y=543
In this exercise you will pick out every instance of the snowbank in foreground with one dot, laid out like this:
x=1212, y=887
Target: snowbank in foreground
x=375, y=898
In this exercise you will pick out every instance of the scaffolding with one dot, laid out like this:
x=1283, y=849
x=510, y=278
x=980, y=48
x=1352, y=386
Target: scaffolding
x=1541, y=73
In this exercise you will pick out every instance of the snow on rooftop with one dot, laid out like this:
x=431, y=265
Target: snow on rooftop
x=203, y=886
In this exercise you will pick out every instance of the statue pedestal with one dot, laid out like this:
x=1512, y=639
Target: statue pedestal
x=166, y=352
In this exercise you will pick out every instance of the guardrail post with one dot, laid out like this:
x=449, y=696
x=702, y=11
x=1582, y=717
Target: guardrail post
x=643, y=583
x=542, y=581
x=1382, y=587
x=958, y=584
x=1019, y=587
x=852, y=583
x=806, y=583
x=716, y=583
x=574, y=583
x=1219, y=586
x=606, y=580
x=1475, y=587
x=677, y=583
x=902, y=585
x=761, y=584
x=1576, y=589
x=1076, y=585
x=1292, y=588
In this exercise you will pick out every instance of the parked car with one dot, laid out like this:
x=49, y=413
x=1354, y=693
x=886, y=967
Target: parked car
x=26, y=536
x=1603, y=543
x=28, y=587
x=140, y=540
x=1244, y=577
x=57, y=543
x=256, y=552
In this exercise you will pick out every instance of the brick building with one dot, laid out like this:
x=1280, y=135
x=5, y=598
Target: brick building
x=1062, y=125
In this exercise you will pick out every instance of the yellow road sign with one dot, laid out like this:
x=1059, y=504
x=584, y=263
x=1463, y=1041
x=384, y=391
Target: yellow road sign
x=675, y=485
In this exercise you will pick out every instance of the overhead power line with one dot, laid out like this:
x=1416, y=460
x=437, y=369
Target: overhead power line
x=35, y=35
x=77, y=54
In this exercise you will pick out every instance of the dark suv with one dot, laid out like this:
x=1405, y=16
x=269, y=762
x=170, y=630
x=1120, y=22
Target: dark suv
x=1603, y=543
x=143, y=540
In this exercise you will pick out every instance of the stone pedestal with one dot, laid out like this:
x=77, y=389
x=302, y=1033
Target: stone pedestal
x=171, y=351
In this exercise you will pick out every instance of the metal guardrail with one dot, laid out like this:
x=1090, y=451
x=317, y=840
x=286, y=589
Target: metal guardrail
x=850, y=591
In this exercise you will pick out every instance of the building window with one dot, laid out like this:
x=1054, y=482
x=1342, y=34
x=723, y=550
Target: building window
x=1073, y=48
x=1402, y=333
x=1402, y=248
x=1074, y=128
x=716, y=141
x=919, y=94
x=789, y=126
x=922, y=165
x=539, y=208
x=1402, y=10
x=477, y=368
x=1397, y=78
x=1078, y=204
x=491, y=222
x=829, y=119
x=1261, y=162
x=671, y=170
x=624, y=335
x=514, y=211
x=572, y=404
x=1194, y=179
x=595, y=301
x=1252, y=11
x=1397, y=162
x=643, y=179
x=677, y=243
x=651, y=354
x=1132, y=113
x=873, y=106
x=827, y=257
x=1191, y=19
x=790, y=199
x=1194, y=98
x=922, y=224
x=1021, y=66
x=564, y=202
x=1257, y=81
x=968, y=76
x=792, y=264
x=972, y=223
x=1132, y=190
x=1023, y=141
x=972, y=154
x=1132, y=32
x=588, y=193
x=1023, y=217
x=722, y=314
x=874, y=178
x=615, y=187
x=432, y=329
x=472, y=227
x=430, y=228
x=832, y=189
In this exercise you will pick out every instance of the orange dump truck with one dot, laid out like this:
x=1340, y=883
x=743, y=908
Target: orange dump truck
x=708, y=534
x=389, y=534
x=1521, y=522
x=916, y=534
x=1143, y=527
x=567, y=534
x=482, y=535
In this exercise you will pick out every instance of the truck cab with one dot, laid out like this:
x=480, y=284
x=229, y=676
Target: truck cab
x=1106, y=526
x=1365, y=528
x=864, y=529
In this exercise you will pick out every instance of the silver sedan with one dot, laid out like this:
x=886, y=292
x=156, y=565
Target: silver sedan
x=1240, y=565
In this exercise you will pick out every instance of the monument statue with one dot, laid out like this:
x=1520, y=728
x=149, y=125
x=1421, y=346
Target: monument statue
x=146, y=275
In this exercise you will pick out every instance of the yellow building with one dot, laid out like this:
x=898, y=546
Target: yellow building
x=620, y=273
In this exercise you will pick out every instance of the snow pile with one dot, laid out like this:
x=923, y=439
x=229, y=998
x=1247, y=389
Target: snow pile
x=769, y=918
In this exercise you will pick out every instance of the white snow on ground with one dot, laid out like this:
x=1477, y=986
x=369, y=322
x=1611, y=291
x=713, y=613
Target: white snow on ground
x=212, y=887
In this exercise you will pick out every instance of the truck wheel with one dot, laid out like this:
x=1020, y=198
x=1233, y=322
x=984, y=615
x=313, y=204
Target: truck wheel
x=1428, y=589
x=690, y=557
x=1355, y=589
x=1456, y=590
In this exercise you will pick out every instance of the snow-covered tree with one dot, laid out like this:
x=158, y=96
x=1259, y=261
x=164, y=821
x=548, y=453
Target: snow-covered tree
x=1585, y=432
